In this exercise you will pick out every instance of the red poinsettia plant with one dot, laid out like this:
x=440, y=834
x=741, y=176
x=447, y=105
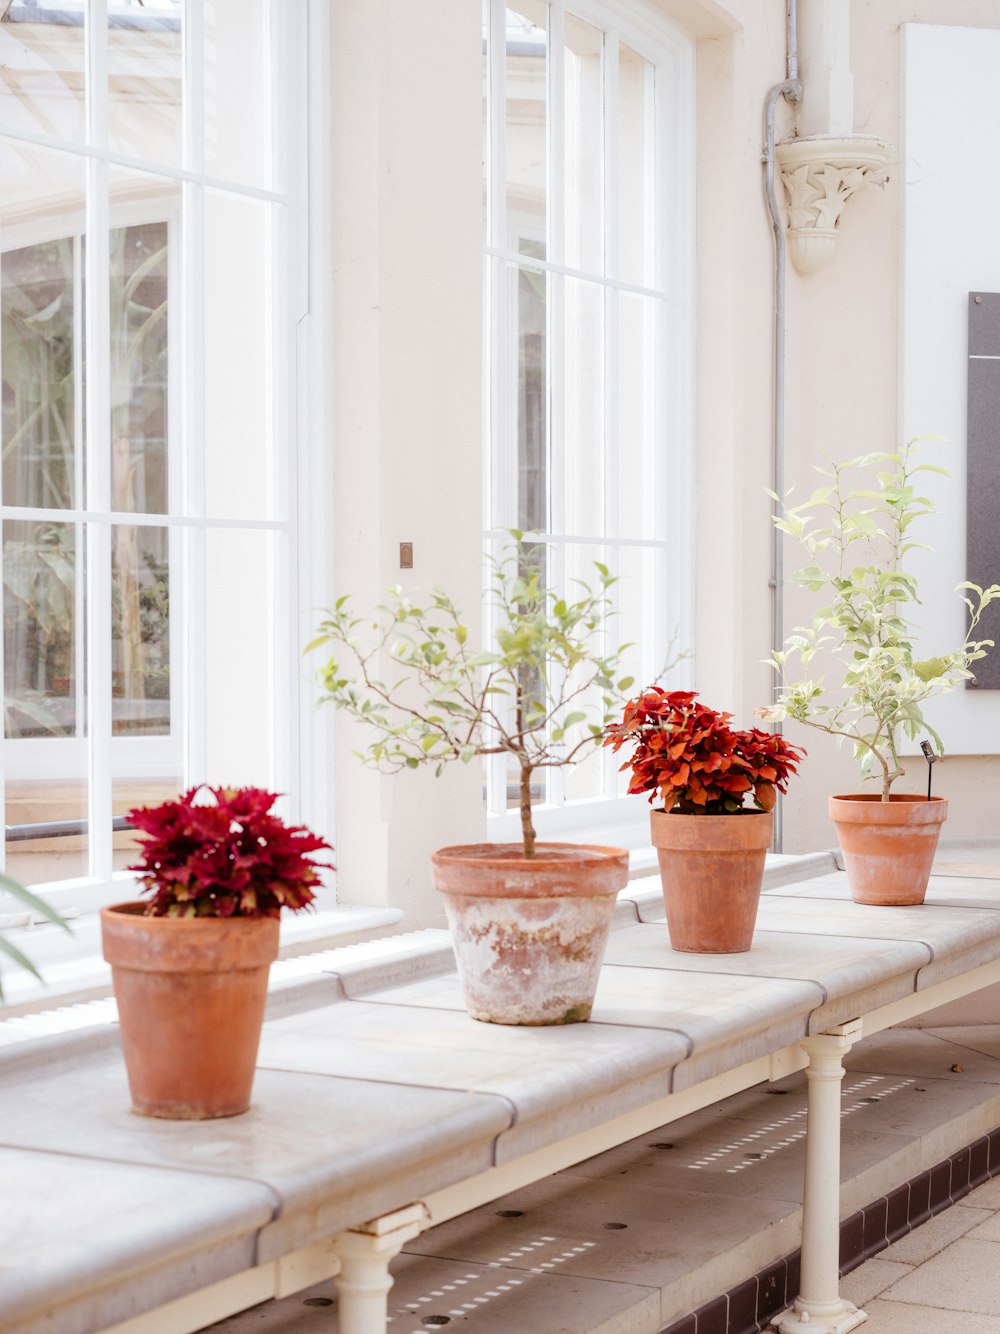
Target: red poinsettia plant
x=689, y=756
x=230, y=858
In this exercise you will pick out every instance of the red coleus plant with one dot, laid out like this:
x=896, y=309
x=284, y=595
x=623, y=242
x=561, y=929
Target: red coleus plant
x=230, y=859
x=688, y=755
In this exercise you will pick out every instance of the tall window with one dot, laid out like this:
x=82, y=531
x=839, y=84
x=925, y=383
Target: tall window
x=152, y=263
x=589, y=201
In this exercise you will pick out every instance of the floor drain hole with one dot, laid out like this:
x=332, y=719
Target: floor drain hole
x=318, y=1301
x=869, y=1099
x=662, y=1145
x=436, y=1320
x=776, y=1093
x=752, y=1157
x=510, y=1213
x=615, y=1227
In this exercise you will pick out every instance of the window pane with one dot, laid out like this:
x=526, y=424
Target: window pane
x=583, y=374
x=41, y=343
x=638, y=464
x=584, y=781
x=140, y=632
x=237, y=341
x=584, y=147
x=527, y=120
x=636, y=170
x=145, y=66
x=44, y=703
x=138, y=322
x=532, y=400
x=42, y=63
x=41, y=629
x=238, y=657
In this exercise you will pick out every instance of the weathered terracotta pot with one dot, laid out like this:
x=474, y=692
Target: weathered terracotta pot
x=712, y=868
x=529, y=934
x=888, y=846
x=191, y=995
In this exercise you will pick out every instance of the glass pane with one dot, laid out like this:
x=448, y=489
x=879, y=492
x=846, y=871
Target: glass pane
x=584, y=408
x=237, y=367
x=139, y=314
x=527, y=120
x=47, y=834
x=638, y=322
x=238, y=658
x=41, y=343
x=532, y=402
x=584, y=781
x=42, y=63
x=239, y=91
x=636, y=170
x=584, y=146
x=41, y=627
x=140, y=632
x=145, y=67
x=44, y=703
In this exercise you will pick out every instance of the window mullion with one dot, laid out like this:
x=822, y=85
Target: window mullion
x=97, y=343
x=555, y=338
x=612, y=297
x=502, y=323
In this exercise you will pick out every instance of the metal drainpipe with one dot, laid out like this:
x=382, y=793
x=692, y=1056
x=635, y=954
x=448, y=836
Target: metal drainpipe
x=791, y=90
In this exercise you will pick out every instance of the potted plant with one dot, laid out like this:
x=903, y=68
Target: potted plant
x=711, y=847
x=190, y=965
x=530, y=920
x=859, y=550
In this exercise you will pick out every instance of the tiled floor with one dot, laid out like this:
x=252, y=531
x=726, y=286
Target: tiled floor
x=944, y=1278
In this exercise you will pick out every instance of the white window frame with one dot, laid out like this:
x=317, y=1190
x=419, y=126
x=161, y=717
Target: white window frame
x=299, y=459
x=668, y=558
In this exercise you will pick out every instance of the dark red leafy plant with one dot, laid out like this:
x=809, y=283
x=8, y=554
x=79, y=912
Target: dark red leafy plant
x=689, y=756
x=233, y=858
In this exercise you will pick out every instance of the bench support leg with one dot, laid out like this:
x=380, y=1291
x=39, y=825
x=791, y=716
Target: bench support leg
x=365, y=1254
x=819, y=1308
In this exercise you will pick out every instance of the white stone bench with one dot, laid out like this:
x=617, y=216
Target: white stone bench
x=380, y=1108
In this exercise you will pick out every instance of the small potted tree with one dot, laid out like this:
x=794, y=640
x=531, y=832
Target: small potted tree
x=190, y=965
x=530, y=920
x=858, y=537
x=711, y=846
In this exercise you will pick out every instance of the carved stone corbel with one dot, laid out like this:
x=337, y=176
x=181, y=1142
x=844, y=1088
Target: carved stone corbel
x=820, y=174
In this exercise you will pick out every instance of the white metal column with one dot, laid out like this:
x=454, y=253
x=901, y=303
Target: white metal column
x=364, y=1280
x=819, y=1308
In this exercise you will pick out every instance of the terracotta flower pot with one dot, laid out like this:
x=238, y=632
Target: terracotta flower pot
x=712, y=868
x=888, y=846
x=529, y=933
x=191, y=995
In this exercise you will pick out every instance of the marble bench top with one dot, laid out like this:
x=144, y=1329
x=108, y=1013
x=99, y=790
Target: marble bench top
x=374, y=1089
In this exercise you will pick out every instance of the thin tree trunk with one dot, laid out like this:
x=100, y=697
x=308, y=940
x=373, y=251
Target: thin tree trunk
x=527, y=827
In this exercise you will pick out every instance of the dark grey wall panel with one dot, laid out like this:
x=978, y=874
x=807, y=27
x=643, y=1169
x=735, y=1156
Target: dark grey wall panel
x=983, y=474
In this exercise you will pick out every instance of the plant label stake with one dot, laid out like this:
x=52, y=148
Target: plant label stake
x=931, y=759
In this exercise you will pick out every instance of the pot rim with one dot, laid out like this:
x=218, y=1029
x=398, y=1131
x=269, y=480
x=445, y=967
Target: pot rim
x=547, y=854
x=900, y=798
x=134, y=910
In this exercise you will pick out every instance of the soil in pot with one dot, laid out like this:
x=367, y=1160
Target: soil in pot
x=191, y=994
x=888, y=846
x=529, y=933
x=712, y=868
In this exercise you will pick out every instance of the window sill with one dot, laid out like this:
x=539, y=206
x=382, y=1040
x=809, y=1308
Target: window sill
x=87, y=977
